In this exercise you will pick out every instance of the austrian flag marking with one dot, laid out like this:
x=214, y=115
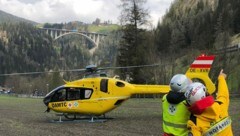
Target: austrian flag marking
x=203, y=62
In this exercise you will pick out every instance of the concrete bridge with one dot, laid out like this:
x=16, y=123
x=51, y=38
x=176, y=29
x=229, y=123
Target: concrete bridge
x=94, y=38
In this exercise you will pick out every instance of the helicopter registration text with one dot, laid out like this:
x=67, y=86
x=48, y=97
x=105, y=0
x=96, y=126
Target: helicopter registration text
x=200, y=70
x=62, y=104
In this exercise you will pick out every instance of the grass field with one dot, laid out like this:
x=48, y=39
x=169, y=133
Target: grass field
x=136, y=117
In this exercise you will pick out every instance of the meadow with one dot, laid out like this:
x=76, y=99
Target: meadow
x=135, y=117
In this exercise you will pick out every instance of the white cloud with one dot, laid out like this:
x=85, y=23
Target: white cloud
x=57, y=11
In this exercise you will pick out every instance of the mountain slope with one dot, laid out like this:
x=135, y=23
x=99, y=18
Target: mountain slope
x=204, y=26
x=6, y=17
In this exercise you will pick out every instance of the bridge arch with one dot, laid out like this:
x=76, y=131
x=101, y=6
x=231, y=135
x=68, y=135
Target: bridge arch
x=77, y=33
x=94, y=38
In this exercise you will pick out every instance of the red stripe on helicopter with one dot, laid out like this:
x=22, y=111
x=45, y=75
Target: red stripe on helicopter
x=202, y=57
x=200, y=66
x=203, y=62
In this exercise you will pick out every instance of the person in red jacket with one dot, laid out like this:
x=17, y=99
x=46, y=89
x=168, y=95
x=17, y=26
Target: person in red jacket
x=209, y=117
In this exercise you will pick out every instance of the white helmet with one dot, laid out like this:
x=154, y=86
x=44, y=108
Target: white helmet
x=195, y=92
x=179, y=82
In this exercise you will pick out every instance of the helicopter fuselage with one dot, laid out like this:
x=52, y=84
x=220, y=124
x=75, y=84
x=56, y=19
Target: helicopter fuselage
x=96, y=96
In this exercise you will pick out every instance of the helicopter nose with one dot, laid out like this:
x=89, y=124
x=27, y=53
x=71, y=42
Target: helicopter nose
x=46, y=100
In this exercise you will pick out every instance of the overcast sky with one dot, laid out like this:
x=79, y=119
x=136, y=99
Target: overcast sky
x=60, y=11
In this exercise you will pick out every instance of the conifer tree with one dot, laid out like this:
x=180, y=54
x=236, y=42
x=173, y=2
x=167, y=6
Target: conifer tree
x=133, y=17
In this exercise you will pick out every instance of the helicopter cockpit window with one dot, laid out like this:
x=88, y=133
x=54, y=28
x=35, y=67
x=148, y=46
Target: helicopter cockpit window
x=60, y=95
x=104, y=85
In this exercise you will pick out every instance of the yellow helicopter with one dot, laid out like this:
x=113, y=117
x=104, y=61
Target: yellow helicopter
x=96, y=94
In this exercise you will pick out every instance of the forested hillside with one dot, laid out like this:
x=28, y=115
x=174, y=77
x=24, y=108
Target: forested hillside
x=6, y=18
x=192, y=27
x=201, y=25
x=24, y=48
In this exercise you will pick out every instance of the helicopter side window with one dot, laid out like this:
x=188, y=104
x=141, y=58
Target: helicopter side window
x=120, y=84
x=60, y=95
x=88, y=93
x=104, y=85
x=85, y=93
x=73, y=94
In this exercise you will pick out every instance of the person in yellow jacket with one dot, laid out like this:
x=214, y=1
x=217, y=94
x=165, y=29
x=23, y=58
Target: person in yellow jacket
x=209, y=117
x=175, y=112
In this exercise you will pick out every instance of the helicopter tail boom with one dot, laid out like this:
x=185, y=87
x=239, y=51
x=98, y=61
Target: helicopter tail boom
x=150, y=89
x=198, y=70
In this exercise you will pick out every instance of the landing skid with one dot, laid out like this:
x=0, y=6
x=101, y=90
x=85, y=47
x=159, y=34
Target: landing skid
x=80, y=118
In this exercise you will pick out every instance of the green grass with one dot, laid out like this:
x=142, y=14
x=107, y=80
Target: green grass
x=29, y=105
x=135, y=117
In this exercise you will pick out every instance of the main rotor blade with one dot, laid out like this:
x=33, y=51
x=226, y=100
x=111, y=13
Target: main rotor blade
x=34, y=73
x=90, y=67
x=126, y=67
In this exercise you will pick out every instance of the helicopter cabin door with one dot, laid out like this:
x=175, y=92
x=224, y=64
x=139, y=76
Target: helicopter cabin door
x=106, y=87
x=68, y=99
x=75, y=96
